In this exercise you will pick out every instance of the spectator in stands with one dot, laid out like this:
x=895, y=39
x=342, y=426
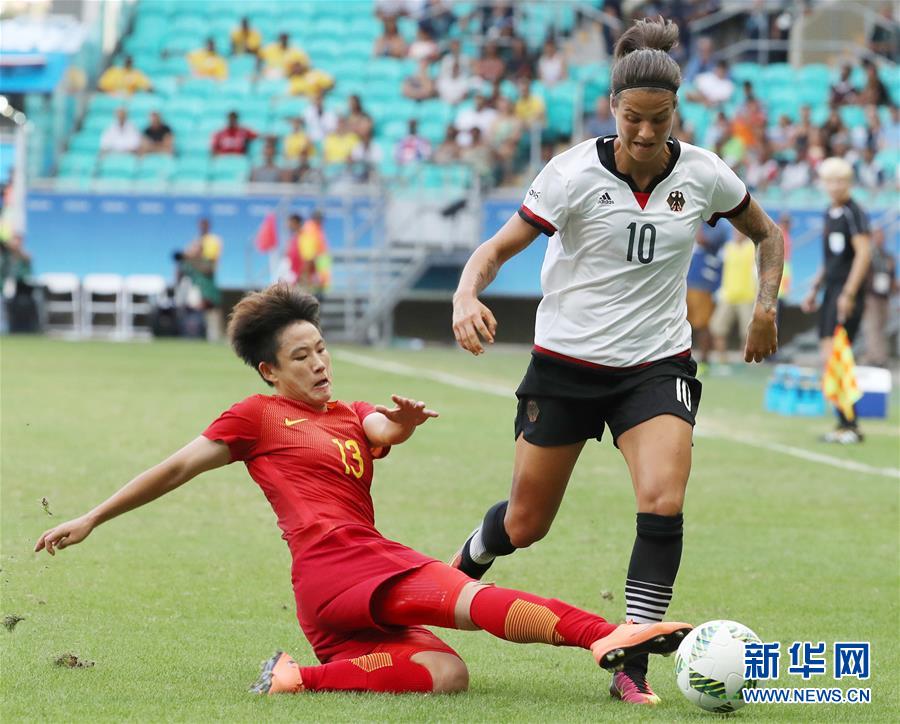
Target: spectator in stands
x=601, y=122
x=158, y=136
x=289, y=268
x=869, y=173
x=319, y=121
x=390, y=44
x=503, y=139
x=756, y=28
x=420, y=86
x=390, y=8
x=842, y=90
x=121, y=136
x=125, y=80
x=703, y=279
x=490, y=66
x=198, y=263
x=750, y=119
x=713, y=88
x=493, y=17
x=519, y=61
x=612, y=26
x=781, y=136
x=530, y=108
x=871, y=133
x=717, y=133
x=365, y=159
x=245, y=39
x=279, y=57
x=737, y=294
x=760, y=168
x=306, y=81
x=454, y=55
x=587, y=44
x=701, y=60
x=874, y=91
x=448, y=150
x=885, y=38
x=455, y=87
x=881, y=284
x=359, y=121
x=833, y=129
x=551, y=65
x=315, y=259
x=481, y=117
x=297, y=141
x=412, y=148
x=304, y=172
x=268, y=172
x=478, y=155
x=207, y=63
x=437, y=19
x=339, y=144
x=801, y=133
x=234, y=138
x=423, y=47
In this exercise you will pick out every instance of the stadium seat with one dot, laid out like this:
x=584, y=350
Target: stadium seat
x=889, y=160
x=104, y=104
x=229, y=167
x=117, y=166
x=853, y=116
x=85, y=141
x=241, y=66
x=155, y=166
x=62, y=302
x=102, y=294
x=200, y=87
x=78, y=165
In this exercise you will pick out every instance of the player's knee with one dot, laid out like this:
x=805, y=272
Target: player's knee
x=449, y=674
x=523, y=530
x=662, y=503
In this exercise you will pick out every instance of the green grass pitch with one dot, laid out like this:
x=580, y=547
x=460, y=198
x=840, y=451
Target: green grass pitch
x=178, y=602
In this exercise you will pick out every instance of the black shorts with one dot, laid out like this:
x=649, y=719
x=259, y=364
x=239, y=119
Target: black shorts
x=561, y=403
x=828, y=313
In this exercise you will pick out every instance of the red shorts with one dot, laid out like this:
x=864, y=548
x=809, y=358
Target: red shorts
x=335, y=581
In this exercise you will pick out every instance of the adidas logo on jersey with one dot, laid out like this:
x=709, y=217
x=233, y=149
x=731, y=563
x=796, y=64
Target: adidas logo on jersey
x=605, y=199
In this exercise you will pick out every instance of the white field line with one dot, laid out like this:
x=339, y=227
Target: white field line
x=507, y=393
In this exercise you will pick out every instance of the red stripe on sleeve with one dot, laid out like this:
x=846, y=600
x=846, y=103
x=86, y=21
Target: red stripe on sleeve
x=536, y=221
x=745, y=202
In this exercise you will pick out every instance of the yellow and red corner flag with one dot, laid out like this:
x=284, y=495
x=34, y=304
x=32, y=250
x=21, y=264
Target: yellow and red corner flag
x=267, y=234
x=839, y=381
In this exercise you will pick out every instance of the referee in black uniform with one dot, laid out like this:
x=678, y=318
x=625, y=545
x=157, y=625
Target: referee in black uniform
x=846, y=264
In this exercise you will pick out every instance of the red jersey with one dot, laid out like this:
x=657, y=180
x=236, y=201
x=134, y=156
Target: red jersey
x=314, y=467
x=232, y=140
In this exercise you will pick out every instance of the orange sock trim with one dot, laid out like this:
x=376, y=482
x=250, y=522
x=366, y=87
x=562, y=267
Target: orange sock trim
x=528, y=623
x=371, y=662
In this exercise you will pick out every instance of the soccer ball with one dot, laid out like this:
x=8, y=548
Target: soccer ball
x=709, y=665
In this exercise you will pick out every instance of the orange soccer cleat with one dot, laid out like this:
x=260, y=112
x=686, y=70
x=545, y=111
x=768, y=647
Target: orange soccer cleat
x=279, y=675
x=631, y=639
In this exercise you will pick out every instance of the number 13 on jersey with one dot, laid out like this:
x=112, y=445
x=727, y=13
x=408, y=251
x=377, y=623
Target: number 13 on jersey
x=352, y=447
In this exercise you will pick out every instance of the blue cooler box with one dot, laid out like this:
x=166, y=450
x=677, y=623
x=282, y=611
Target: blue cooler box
x=875, y=384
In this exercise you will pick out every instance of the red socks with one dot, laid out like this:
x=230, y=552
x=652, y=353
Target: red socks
x=526, y=618
x=372, y=672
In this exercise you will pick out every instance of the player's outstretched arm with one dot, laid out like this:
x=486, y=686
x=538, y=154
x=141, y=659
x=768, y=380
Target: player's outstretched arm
x=762, y=336
x=196, y=457
x=395, y=425
x=473, y=322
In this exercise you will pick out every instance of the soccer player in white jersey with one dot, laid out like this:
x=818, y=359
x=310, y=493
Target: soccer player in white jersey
x=612, y=341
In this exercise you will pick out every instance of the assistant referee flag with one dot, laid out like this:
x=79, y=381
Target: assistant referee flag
x=839, y=382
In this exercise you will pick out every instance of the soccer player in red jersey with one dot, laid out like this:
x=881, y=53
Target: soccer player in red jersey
x=362, y=600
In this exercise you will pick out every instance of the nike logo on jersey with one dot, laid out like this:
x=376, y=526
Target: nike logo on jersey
x=291, y=423
x=605, y=199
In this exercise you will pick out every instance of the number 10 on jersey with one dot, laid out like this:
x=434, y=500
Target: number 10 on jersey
x=646, y=241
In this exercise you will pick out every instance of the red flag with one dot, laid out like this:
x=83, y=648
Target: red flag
x=267, y=234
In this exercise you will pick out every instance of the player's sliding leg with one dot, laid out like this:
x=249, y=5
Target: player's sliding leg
x=658, y=453
x=540, y=476
x=388, y=671
x=438, y=595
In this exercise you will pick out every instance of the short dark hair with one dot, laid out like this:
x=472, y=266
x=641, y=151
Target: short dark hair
x=257, y=321
x=296, y=218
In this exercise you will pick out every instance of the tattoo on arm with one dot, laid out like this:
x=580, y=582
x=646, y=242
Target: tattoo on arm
x=485, y=275
x=756, y=224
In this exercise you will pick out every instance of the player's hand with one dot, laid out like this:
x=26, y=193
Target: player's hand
x=845, y=305
x=808, y=305
x=762, y=336
x=407, y=413
x=65, y=535
x=472, y=323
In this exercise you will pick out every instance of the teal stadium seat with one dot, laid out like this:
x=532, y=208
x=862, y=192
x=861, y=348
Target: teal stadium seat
x=229, y=168
x=183, y=106
x=143, y=103
x=889, y=160
x=200, y=87
x=185, y=23
x=106, y=105
x=778, y=75
x=117, y=166
x=289, y=107
x=177, y=65
x=364, y=28
x=195, y=144
x=181, y=43
x=745, y=71
x=158, y=166
x=96, y=122
x=86, y=141
x=853, y=116
x=192, y=167
x=75, y=164
x=241, y=66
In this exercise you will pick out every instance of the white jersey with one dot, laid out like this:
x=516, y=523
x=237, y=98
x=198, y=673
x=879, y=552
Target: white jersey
x=614, y=274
